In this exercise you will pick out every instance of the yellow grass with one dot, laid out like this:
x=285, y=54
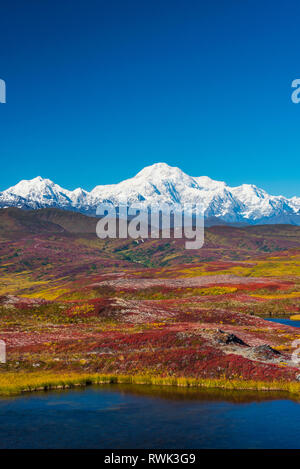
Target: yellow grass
x=295, y=317
x=16, y=383
x=12, y=283
x=282, y=296
x=49, y=294
x=269, y=267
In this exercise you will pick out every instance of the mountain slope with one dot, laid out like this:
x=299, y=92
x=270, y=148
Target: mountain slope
x=159, y=184
x=66, y=240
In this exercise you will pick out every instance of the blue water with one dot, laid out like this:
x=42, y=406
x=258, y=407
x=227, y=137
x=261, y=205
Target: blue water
x=287, y=322
x=148, y=417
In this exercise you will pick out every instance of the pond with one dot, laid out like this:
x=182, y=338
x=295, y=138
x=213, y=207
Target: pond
x=286, y=321
x=119, y=416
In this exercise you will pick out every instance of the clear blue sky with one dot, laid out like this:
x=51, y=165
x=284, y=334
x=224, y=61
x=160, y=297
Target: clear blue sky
x=96, y=90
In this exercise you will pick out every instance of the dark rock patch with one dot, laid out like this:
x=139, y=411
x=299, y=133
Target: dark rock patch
x=225, y=338
x=265, y=352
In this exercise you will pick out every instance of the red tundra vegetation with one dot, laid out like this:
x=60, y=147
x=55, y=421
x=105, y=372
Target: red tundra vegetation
x=74, y=306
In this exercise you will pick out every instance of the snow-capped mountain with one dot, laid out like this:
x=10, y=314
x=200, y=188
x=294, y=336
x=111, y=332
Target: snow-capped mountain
x=157, y=184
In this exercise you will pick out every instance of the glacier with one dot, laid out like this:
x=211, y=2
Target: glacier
x=157, y=184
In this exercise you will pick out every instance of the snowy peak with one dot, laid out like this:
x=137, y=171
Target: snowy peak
x=158, y=170
x=157, y=184
x=37, y=193
x=25, y=187
x=162, y=172
x=206, y=183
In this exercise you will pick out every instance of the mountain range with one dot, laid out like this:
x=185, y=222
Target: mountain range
x=157, y=184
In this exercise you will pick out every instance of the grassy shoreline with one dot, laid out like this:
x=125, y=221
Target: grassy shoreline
x=18, y=383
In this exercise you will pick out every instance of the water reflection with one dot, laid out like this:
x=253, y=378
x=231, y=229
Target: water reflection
x=140, y=416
